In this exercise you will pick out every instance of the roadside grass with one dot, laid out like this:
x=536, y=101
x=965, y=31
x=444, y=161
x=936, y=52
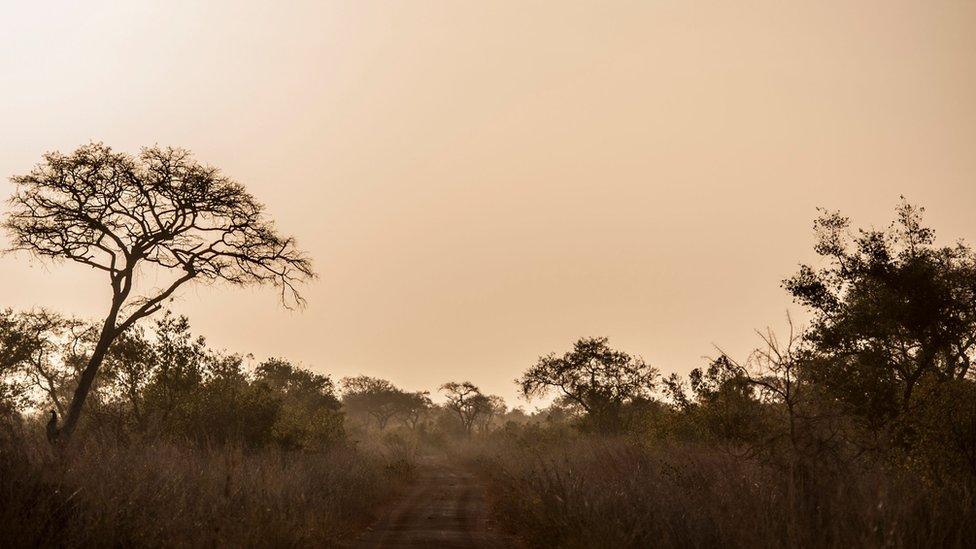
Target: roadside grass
x=102, y=493
x=596, y=492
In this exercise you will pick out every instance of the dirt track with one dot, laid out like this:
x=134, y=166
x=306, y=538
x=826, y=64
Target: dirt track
x=444, y=507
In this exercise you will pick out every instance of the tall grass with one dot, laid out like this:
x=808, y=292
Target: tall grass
x=612, y=493
x=105, y=494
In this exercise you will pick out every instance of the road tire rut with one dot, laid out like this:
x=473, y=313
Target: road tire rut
x=444, y=507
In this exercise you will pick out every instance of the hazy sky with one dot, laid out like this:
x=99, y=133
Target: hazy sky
x=483, y=183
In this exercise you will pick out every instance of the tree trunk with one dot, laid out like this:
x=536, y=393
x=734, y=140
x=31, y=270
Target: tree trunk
x=87, y=378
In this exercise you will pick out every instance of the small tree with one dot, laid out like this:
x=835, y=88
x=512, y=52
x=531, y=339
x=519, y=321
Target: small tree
x=725, y=405
x=373, y=397
x=415, y=407
x=600, y=380
x=466, y=401
x=775, y=369
x=490, y=407
x=120, y=214
x=310, y=415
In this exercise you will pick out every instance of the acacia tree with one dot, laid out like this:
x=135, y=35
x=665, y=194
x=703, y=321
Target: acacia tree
x=600, y=380
x=162, y=210
x=466, y=401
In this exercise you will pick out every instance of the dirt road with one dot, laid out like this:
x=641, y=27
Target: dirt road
x=445, y=507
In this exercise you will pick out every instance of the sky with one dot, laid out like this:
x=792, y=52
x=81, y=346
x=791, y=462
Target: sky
x=482, y=183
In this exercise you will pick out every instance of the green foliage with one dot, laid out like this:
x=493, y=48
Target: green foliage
x=373, y=398
x=309, y=415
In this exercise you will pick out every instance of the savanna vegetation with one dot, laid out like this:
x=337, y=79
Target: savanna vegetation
x=857, y=429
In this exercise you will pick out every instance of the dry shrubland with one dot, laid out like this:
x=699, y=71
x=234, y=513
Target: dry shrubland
x=612, y=492
x=181, y=445
x=856, y=431
x=103, y=493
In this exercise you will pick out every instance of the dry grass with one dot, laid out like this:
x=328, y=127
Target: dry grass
x=611, y=493
x=105, y=494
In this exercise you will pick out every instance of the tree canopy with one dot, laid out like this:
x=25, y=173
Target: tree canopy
x=595, y=377
x=467, y=402
x=890, y=310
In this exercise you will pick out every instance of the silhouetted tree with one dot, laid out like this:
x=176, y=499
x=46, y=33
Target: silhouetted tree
x=62, y=345
x=466, y=401
x=119, y=214
x=415, y=407
x=40, y=351
x=600, y=380
x=375, y=398
x=308, y=388
x=722, y=405
x=16, y=341
x=890, y=310
x=490, y=407
x=777, y=370
x=17, y=344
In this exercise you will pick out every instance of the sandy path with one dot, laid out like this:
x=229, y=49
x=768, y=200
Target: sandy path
x=444, y=507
